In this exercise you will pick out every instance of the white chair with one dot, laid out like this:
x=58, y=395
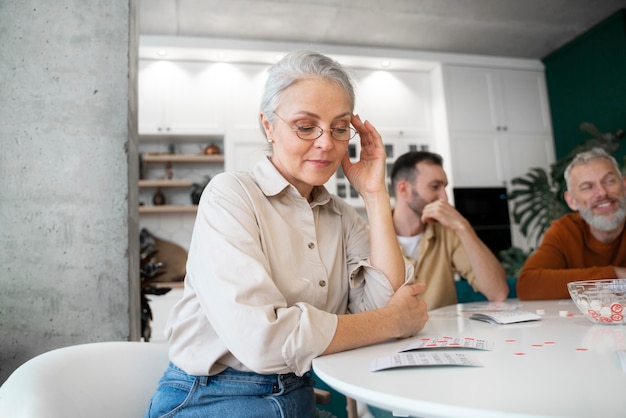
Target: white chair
x=98, y=380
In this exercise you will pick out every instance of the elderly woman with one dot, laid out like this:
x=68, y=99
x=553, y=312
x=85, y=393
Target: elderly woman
x=279, y=270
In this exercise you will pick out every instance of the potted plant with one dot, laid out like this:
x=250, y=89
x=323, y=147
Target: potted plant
x=537, y=196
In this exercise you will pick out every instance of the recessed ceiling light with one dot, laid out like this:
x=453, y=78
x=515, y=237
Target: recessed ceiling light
x=385, y=63
x=161, y=52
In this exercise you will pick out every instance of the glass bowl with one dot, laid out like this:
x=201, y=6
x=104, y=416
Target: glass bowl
x=602, y=301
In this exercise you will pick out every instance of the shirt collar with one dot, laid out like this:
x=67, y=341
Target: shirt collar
x=273, y=183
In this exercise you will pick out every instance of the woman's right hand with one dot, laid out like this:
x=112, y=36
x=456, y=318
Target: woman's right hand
x=409, y=311
x=404, y=316
x=367, y=175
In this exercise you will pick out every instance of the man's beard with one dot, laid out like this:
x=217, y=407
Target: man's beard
x=416, y=204
x=603, y=222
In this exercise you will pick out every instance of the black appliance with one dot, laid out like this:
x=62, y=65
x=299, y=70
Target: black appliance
x=487, y=210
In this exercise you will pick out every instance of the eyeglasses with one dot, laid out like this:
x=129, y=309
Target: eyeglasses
x=312, y=132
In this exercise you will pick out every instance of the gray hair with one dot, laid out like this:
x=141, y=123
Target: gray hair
x=300, y=65
x=585, y=158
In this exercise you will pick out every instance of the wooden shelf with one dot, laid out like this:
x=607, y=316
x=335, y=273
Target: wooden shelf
x=168, y=209
x=174, y=285
x=165, y=183
x=179, y=137
x=183, y=158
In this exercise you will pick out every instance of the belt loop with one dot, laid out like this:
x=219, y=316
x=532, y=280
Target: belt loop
x=278, y=386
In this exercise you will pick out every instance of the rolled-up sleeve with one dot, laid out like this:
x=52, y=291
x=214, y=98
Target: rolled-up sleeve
x=369, y=287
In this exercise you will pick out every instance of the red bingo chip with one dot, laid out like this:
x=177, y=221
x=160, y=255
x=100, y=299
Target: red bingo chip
x=617, y=317
x=617, y=308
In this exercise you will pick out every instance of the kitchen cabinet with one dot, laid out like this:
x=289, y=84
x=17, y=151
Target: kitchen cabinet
x=241, y=103
x=395, y=101
x=483, y=160
x=496, y=100
x=498, y=122
x=498, y=125
x=180, y=98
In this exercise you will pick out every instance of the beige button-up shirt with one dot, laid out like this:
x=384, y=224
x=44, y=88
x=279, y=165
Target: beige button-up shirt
x=440, y=254
x=267, y=273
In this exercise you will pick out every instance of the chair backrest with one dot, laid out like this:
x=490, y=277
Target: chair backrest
x=108, y=379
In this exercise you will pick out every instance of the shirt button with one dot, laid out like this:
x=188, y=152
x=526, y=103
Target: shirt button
x=322, y=283
x=311, y=245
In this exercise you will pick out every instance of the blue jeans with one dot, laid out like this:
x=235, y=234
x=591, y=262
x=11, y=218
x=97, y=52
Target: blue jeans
x=232, y=394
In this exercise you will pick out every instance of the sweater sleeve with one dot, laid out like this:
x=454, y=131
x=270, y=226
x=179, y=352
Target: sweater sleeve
x=548, y=270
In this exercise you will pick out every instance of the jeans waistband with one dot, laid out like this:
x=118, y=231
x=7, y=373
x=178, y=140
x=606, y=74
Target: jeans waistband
x=279, y=383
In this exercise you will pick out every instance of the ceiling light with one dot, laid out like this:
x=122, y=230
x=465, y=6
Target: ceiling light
x=161, y=52
x=385, y=63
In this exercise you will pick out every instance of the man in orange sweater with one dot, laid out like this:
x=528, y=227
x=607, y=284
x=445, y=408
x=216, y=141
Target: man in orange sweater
x=585, y=245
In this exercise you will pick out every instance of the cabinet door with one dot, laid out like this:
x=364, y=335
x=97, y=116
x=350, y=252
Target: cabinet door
x=194, y=101
x=493, y=160
x=150, y=92
x=246, y=83
x=472, y=100
x=394, y=101
x=182, y=97
x=524, y=152
x=477, y=160
x=501, y=100
x=525, y=102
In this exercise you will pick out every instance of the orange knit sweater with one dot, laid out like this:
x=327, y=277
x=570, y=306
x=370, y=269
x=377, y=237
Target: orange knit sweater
x=568, y=252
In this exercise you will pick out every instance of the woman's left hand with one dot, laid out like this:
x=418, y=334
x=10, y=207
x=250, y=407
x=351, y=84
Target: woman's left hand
x=368, y=174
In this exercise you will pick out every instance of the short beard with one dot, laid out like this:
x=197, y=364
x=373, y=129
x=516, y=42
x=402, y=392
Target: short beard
x=605, y=223
x=416, y=204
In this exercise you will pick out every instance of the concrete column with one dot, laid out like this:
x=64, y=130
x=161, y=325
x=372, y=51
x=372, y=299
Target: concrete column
x=68, y=175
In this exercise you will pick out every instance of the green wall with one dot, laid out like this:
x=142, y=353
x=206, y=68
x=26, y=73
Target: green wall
x=586, y=81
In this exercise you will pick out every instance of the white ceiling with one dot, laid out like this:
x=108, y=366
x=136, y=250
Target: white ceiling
x=507, y=28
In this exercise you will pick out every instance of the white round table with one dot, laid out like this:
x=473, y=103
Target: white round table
x=560, y=366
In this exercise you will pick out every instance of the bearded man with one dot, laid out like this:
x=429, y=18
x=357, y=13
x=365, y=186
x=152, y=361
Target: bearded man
x=436, y=238
x=586, y=244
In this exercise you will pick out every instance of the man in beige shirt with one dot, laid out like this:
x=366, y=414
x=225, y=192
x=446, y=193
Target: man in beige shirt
x=436, y=237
